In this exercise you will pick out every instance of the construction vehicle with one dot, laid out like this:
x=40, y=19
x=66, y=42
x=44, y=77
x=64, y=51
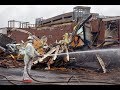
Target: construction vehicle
x=60, y=61
x=91, y=39
x=104, y=37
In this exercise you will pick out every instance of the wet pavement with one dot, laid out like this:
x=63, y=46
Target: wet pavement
x=60, y=76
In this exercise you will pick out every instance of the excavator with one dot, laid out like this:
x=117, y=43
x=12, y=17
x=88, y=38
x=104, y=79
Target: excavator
x=77, y=43
x=98, y=50
x=88, y=48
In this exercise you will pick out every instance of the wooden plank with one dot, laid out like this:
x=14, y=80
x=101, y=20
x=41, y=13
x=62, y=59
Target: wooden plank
x=102, y=64
x=45, y=55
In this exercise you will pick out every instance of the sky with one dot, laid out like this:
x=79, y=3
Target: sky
x=29, y=13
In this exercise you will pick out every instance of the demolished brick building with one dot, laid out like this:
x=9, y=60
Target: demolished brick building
x=54, y=28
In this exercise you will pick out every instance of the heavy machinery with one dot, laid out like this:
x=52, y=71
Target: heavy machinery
x=97, y=50
x=64, y=58
x=101, y=45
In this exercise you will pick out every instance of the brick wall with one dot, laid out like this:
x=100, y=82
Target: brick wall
x=52, y=33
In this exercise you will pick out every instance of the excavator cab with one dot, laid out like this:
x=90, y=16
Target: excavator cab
x=80, y=41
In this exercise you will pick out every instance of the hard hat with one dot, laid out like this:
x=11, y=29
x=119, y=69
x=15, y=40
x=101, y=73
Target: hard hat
x=30, y=38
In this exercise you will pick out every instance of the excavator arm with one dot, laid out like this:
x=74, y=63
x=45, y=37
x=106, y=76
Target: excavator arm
x=78, y=26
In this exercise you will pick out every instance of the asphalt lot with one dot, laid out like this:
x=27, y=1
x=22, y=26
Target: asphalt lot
x=60, y=77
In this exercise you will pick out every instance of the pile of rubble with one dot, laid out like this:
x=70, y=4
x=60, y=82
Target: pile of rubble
x=9, y=63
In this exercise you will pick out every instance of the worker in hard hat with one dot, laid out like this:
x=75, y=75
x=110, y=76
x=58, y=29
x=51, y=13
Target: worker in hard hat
x=30, y=53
